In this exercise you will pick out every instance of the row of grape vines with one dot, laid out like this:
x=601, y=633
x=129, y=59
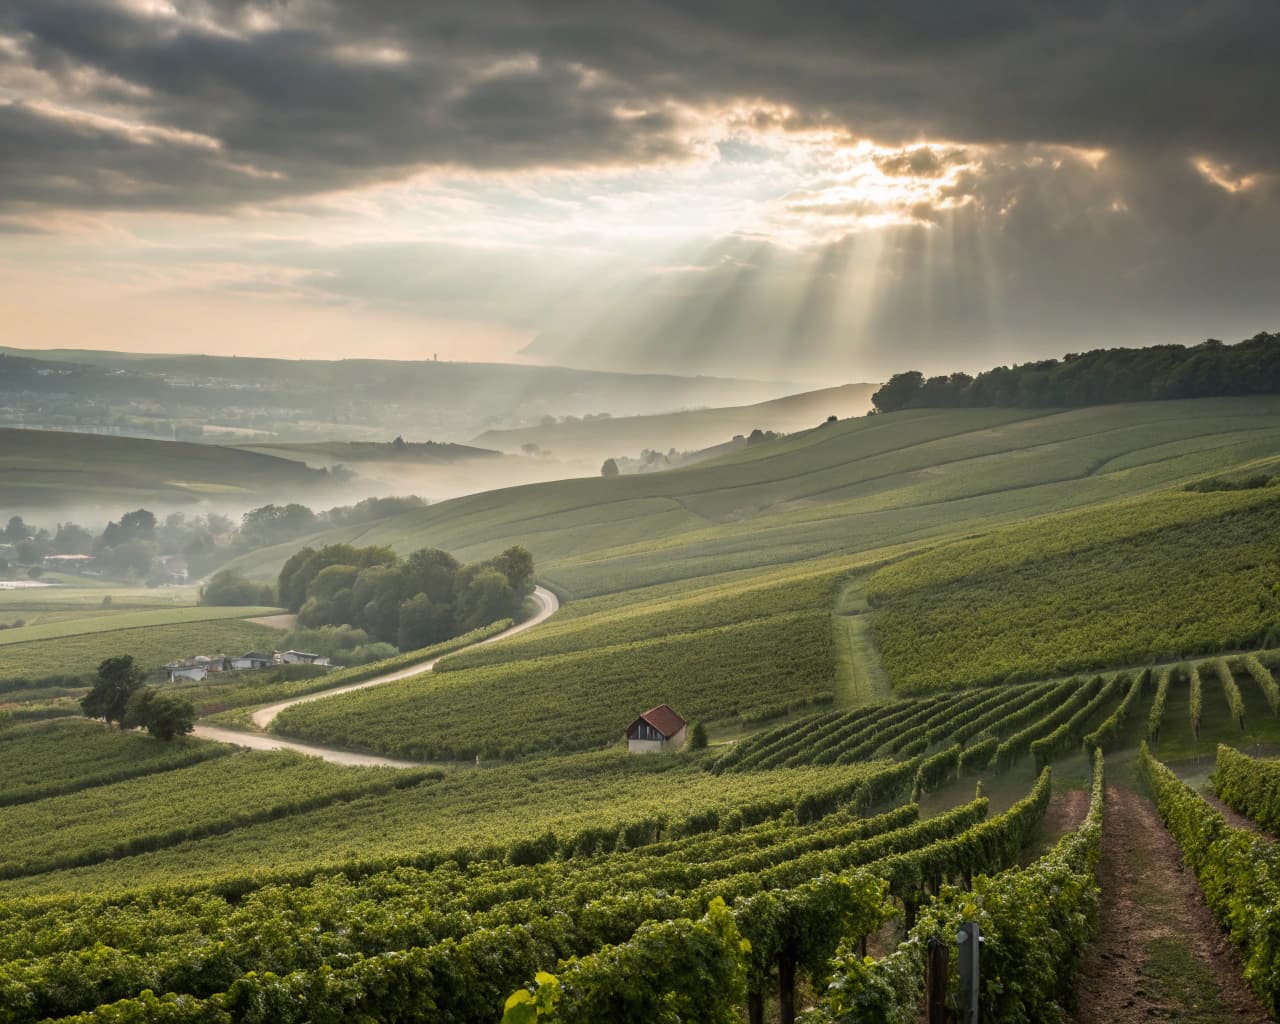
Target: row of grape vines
x=449, y=944
x=1238, y=871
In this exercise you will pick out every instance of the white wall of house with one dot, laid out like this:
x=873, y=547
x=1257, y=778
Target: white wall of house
x=645, y=746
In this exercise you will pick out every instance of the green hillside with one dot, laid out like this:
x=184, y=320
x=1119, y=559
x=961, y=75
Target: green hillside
x=694, y=429
x=773, y=596
x=854, y=486
x=1151, y=579
x=43, y=468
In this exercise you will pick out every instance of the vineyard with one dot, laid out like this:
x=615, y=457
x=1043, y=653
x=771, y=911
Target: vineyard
x=783, y=860
x=581, y=700
x=1044, y=611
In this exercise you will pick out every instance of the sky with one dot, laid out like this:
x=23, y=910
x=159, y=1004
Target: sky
x=819, y=191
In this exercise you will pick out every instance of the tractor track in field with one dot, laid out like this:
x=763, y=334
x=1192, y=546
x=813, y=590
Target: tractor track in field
x=548, y=603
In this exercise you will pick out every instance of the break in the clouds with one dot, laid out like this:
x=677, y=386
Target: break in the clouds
x=837, y=189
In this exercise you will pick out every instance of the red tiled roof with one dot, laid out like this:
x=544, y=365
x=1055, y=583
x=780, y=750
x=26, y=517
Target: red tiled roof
x=664, y=720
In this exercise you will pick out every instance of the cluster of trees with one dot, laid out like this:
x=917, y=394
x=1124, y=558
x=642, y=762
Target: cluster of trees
x=136, y=544
x=412, y=602
x=118, y=695
x=1099, y=377
x=228, y=588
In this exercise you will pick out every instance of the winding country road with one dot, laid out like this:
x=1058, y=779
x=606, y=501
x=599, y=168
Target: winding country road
x=548, y=605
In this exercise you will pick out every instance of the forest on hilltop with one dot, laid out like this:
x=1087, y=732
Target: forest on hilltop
x=1211, y=369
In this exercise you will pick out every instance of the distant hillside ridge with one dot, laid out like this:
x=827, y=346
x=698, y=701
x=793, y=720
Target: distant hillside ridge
x=43, y=468
x=691, y=430
x=1102, y=376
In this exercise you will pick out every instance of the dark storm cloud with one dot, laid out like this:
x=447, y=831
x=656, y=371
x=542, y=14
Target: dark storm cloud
x=302, y=103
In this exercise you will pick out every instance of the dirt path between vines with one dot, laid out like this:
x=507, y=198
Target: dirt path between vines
x=1159, y=954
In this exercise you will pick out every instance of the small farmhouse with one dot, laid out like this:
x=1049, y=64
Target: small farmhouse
x=300, y=658
x=658, y=729
x=68, y=563
x=254, y=659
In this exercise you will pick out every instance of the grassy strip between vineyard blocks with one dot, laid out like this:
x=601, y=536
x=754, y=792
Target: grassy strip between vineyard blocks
x=1155, y=717
x=1035, y=922
x=1239, y=874
x=1110, y=727
x=1265, y=680
x=1249, y=786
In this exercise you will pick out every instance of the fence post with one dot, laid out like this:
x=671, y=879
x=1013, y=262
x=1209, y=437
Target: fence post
x=969, y=941
x=936, y=984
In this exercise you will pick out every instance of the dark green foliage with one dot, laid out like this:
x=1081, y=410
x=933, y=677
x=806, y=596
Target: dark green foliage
x=1036, y=923
x=1217, y=483
x=1250, y=786
x=163, y=714
x=412, y=603
x=230, y=588
x=698, y=736
x=114, y=685
x=1100, y=377
x=1238, y=873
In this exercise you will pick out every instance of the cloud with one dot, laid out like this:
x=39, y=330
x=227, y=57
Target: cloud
x=309, y=96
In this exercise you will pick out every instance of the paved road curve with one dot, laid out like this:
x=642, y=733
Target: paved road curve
x=263, y=717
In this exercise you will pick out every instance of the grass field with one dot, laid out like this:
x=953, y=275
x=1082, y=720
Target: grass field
x=776, y=594
x=150, y=646
x=110, y=620
x=49, y=468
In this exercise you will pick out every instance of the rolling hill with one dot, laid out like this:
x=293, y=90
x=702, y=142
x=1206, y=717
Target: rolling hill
x=48, y=468
x=856, y=486
x=692, y=430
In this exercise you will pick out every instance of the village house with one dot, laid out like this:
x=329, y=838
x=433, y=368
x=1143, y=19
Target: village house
x=657, y=730
x=300, y=658
x=254, y=659
x=68, y=563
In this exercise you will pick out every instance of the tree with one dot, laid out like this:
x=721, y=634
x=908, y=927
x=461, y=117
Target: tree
x=516, y=564
x=423, y=623
x=137, y=525
x=485, y=597
x=698, y=737
x=228, y=588
x=72, y=540
x=115, y=683
x=17, y=530
x=163, y=715
x=899, y=391
x=35, y=572
x=610, y=468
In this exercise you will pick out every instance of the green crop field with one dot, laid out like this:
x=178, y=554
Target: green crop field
x=585, y=699
x=484, y=811
x=873, y=616
x=65, y=755
x=50, y=468
x=150, y=646
x=1152, y=579
x=120, y=819
x=107, y=621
